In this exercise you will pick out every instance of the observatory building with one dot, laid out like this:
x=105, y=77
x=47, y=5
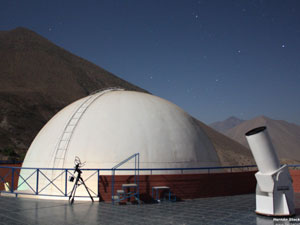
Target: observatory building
x=107, y=127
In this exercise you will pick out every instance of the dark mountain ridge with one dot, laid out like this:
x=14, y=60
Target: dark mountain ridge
x=227, y=124
x=285, y=136
x=37, y=79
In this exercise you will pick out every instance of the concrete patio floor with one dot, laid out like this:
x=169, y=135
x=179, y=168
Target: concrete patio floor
x=218, y=210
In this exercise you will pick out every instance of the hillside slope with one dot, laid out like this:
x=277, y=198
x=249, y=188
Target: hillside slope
x=285, y=136
x=230, y=152
x=223, y=126
x=37, y=79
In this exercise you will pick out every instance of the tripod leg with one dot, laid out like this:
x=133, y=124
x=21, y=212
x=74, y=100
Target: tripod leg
x=74, y=193
x=74, y=189
x=86, y=189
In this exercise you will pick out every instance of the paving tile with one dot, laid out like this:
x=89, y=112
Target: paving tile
x=219, y=210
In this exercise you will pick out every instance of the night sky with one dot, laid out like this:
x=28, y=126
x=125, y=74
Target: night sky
x=214, y=59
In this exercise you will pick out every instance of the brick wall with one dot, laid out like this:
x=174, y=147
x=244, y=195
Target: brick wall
x=296, y=179
x=186, y=186
x=6, y=175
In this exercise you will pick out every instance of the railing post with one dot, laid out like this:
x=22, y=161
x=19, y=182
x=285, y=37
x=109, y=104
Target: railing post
x=12, y=180
x=98, y=191
x=66, y=182
x=135, y=169
x=138, y=178
x=37, y=181
x=112, y=186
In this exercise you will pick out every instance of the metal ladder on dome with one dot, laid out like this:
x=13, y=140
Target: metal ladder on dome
x=64, y=140
x=123, y=193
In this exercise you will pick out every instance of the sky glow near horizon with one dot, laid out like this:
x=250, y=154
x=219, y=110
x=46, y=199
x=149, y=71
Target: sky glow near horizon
x=214, y=59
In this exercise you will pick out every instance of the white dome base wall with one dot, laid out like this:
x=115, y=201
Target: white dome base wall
x=119, y=124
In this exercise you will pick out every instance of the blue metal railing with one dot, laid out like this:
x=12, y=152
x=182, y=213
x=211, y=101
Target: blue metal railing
x=39, y=173
x=295, y=166
x=136, y=157
x=36, y=187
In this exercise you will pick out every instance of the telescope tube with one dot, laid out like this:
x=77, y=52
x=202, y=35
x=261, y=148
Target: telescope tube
x=262, y=150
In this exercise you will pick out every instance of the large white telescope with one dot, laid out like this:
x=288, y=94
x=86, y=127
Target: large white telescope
x=274, y=190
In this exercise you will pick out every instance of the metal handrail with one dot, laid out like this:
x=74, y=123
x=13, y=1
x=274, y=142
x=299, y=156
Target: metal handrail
x=124, y=161
x=37, y=190
x=136, y=177
x=14, y=171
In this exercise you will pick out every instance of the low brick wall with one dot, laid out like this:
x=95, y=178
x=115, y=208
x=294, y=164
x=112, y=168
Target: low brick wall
x=296, y=179
x=185, y=186
x=6, y=175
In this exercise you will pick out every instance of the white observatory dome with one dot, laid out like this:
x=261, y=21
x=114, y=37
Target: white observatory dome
x=105, y=128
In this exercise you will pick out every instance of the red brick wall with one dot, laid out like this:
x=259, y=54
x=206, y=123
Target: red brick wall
x=296, y=179
x=6, y=175
x=185, y=186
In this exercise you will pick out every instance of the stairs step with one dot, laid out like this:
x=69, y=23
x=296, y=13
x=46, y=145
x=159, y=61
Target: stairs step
x=120, y=192
x=129, y=185
x=115, y=197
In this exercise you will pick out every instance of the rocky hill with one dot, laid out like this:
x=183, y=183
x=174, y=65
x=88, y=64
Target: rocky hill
x=37, y=79
x=230, y=152
x=227, y=124
x=285, y=136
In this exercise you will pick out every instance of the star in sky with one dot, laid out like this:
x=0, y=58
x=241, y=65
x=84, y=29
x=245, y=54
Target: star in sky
x=197, y=42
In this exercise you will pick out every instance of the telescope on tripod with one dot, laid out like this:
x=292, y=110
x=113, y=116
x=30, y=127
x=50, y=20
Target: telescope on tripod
x=79, y=181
